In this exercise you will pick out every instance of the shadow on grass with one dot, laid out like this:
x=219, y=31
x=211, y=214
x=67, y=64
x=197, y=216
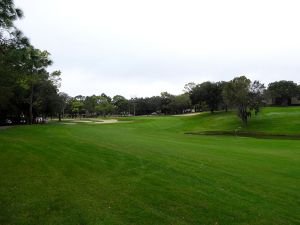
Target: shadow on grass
x=264, y=135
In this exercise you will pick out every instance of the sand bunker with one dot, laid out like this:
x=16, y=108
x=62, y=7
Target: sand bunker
x=189, y=114
x=106, y=121
x=109, y=121
x=4, y=127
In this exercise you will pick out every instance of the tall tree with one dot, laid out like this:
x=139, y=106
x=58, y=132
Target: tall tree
x=90, y=103
x=283, y=91
x=104, y=105
x=207, y=94
x=9, y=13
x=188, y=88
x=63, y=100
x=35, y=68
x=121, y=104
x=12, y=45
x=26, y=85
x=180, y=103
x=166, y=99
x=244, y=95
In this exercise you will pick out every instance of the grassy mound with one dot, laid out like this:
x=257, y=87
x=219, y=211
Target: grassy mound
x=280, y=120
x=271, y=122
x=150, y=172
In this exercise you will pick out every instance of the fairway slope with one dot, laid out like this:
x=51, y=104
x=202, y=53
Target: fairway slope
x=150, y=172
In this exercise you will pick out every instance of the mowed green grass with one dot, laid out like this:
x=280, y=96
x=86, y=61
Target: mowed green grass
x=150, y=172
x=283, y=120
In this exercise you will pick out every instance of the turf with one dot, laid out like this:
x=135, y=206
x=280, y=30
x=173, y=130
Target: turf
x=150, y=172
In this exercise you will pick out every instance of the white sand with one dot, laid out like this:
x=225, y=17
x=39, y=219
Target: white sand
x=189, y=114
x=4, y=127
x=95, y=121
x=106, y=121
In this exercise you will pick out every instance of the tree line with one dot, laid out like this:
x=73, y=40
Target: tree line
x=104, y=105
x=27, y=88
x=240, y=93
x=29, y=91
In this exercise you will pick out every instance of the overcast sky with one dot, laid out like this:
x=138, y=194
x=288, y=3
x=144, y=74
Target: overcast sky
x=141, y=48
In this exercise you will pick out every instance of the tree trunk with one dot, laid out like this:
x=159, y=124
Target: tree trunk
x=245, y=117
x=245, y=121
x=242, y=113
x=30, y=105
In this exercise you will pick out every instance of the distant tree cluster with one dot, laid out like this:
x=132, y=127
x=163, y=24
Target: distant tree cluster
x=103, y=105
x=27, y=88
x=242, y=94
x=282, y=92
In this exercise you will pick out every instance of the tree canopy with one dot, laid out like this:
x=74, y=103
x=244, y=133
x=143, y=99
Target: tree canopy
x=207, y=95
x=27, y=88
x=244, y=95
x=283, y=91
